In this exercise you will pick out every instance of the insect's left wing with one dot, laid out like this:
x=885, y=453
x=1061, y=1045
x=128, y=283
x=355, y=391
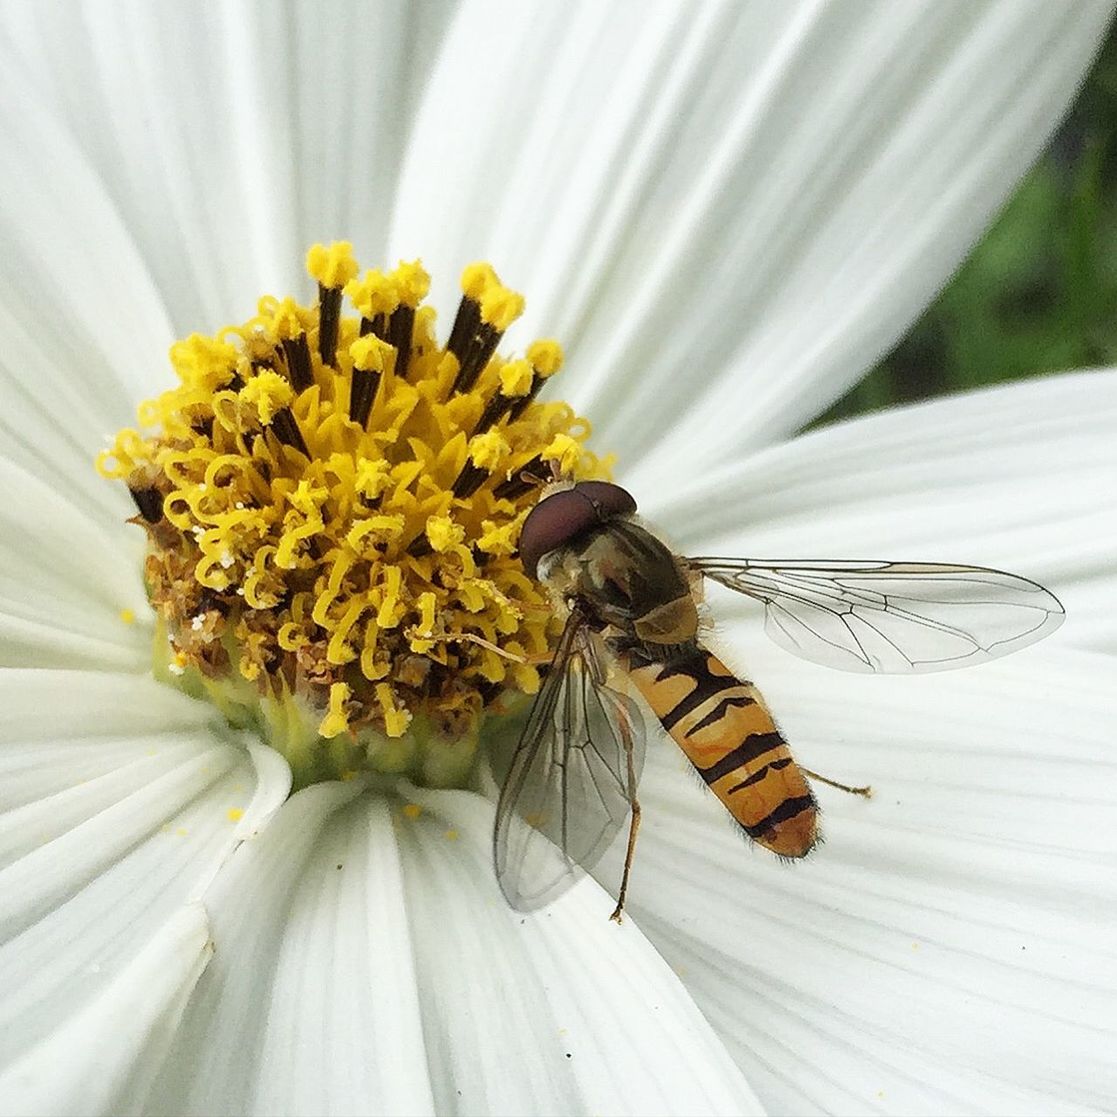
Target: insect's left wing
x=573, y=774
x=897, y=617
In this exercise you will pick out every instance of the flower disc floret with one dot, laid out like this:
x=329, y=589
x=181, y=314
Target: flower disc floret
x=332, y=505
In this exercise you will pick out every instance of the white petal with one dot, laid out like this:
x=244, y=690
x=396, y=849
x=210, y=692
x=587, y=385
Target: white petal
x=82, y=324
x=565, y=980
x=276, y=127
x=1022, y=477
x=728, y=211
x=112, y=1027
x=65, y=579
x=948, y=949
x=365, y=962
x=119, y=803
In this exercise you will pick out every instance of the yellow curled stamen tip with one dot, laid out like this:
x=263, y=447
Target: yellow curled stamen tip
x=488, y=450
x=500, y=307
x=368, y=353
x=287, y=323
x=546, y=356
x=564, y=450
x=516, y=378
x=477, y=278
x=412, y=281
x=267, y=394
x=373, y=295
x=333, y=266
x=443, y=534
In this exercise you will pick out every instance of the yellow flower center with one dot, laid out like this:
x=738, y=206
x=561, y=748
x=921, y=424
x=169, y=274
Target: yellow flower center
x=332, y=505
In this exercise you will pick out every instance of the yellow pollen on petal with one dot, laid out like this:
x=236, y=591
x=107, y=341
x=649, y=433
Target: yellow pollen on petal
x=234, y=814
x=332, y=496
x=411, y=811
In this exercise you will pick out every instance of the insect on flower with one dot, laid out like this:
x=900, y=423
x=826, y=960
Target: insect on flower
x=631, y=647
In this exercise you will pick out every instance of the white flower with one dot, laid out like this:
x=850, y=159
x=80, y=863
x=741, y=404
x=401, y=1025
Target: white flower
x=727, y=212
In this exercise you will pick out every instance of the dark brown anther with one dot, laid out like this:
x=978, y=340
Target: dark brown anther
x=529, y=476
x=400, y=329
x=520, y=404
x=419, y=546
x=481, y=346
x=377, y=325
x=286, y=429
x=465, y=326
x=297, y=352
x=329, y=320
x=362, y=395
x=494, y=409
x=150, y=503
x=471, y=478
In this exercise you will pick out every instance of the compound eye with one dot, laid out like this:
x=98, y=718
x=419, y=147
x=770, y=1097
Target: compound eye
x=559, y=519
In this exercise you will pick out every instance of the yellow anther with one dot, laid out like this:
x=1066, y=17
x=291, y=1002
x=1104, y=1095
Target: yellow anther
x=369, y=353
x=516, y=378
x=443, y=533
x=336, y=722
x=333, y=266
x=545, y=357
x=267, y=394
x=500, y=307
x=411, y=811
x=287, y=322
x=396, y=718
x=375, y=294
x=204, y=362
x=476, y=279
x=499, y=539
x=412, y=282
x=564, y=450
x=128, y=616
x=373, y=477
x=234, y=814
x=488, y=450
x=308, y=498
x=379, y=528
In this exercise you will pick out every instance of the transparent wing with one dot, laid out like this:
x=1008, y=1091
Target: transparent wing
x=896, y=617
x=568, y=790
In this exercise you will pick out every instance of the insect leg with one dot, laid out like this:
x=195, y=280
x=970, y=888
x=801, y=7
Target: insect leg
x=866, y=792
x=634, y=824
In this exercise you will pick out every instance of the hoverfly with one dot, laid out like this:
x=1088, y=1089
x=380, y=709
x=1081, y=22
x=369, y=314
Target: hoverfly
x=631, y=647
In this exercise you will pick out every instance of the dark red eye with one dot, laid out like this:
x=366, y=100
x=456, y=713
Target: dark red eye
x=559, y=519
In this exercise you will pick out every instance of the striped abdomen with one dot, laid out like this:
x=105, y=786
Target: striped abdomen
x=728, y=734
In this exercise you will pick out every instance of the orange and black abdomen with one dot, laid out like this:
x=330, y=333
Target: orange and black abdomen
x=728, y=734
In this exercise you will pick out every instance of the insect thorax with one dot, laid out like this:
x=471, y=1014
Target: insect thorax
x=629, y=584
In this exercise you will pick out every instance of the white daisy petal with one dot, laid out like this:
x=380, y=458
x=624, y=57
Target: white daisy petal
x=672, y=166
x=584, y=1009
x=79, y=1067
x=82, y=323
x=229, y=163
x=63, y=590
x=948, y=948
x=386, y=952
x=1022, y=477
x=118, y=803
x=311, y=970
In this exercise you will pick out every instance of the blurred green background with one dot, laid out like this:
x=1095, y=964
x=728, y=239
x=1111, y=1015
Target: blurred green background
x=1039, y=292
